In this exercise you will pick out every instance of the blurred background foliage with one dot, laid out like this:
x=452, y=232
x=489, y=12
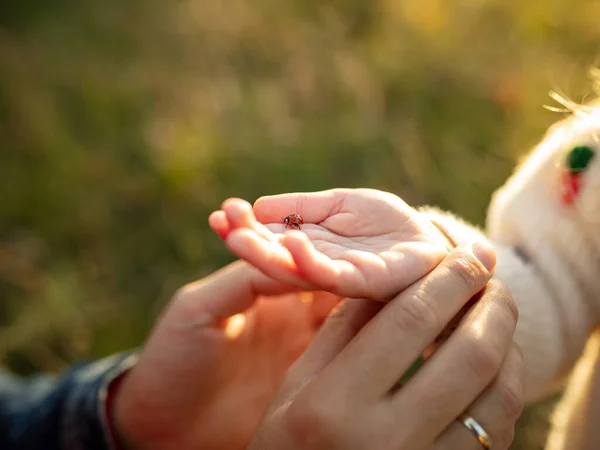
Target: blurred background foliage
x=123, y=124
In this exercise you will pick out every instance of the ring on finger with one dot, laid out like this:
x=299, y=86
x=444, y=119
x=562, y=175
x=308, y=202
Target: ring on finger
x=484, y=439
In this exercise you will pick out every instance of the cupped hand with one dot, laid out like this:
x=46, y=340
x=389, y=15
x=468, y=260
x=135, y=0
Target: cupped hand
x=210, y=369
x=354, y=242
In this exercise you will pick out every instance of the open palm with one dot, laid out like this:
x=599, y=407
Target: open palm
x=354, y=242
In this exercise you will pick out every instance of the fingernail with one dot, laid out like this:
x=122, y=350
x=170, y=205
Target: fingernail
x=485, y=253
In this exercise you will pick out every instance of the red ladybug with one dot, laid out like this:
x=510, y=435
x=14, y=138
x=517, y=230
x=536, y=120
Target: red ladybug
x=293, y=220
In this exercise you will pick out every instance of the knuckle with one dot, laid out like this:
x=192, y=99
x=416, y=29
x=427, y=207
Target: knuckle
x=483, y=359
x=181, y=293
x=511, y=399
x=351, y=313
x=504, y=438
x=503, y=297
x=520, y=368
x=415, y=314
x=466, y=271
x=312, y=420
x=183, y=301
x=186, y=312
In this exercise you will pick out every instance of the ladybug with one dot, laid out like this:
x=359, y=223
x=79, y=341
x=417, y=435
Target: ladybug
x=293, y=220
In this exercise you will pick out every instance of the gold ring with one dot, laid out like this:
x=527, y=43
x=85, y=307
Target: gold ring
x=484, y=439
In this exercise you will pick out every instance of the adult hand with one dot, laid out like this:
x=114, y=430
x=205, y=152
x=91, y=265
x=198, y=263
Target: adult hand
x=207, y=374
x=342, y=393
x=354, y=242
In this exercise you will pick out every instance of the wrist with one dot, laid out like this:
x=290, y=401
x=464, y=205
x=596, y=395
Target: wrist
x=116, y=433
x=454, y=229
x=134, y=422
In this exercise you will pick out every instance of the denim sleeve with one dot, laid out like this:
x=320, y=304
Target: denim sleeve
x=64, y=412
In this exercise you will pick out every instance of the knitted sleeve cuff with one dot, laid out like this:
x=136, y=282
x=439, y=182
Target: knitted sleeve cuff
x=456, y=230
x=549, y=345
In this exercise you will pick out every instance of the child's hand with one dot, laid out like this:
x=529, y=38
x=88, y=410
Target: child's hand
x=354, y=242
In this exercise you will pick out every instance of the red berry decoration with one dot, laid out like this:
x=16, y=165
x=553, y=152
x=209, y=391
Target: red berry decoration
x=570, y=186
x=576, y=162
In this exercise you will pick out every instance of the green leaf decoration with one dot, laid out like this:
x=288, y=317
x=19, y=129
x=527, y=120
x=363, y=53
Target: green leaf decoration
x=579, y=158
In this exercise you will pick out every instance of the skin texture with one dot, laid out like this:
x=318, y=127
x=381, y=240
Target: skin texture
x=196, y=386
x=353, y=243
x=193, y=371
x=341, y=393
x=478, y=366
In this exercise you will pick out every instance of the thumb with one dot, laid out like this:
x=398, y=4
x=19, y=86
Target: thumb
x=227, y=292
x=195, y=320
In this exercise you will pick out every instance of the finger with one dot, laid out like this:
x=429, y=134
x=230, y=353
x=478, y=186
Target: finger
x=314, y=207
x=462, y=367
x=496, y=410
x=227, y=292
x=240, y=215
x=271, y=258
x=339, y=328
x=387, y=347
x=188, y=341
x=341, y=277
x=358, y=274
x=218, y=223
x=322, y=304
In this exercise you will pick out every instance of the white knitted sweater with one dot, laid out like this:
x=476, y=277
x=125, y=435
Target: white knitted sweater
x=548, y=251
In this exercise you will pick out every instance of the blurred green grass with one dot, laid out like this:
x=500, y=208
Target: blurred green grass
x=123, y=124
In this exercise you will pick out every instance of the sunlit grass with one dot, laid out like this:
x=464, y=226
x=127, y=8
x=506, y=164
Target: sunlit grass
x=124, y=124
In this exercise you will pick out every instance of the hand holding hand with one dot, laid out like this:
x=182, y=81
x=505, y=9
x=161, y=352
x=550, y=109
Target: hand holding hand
x=342, y=393
x=216, y=358
x=354, y=242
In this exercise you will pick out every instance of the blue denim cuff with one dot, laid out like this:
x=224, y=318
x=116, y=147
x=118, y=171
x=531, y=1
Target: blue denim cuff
x=67, y=412
x=84, y=424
